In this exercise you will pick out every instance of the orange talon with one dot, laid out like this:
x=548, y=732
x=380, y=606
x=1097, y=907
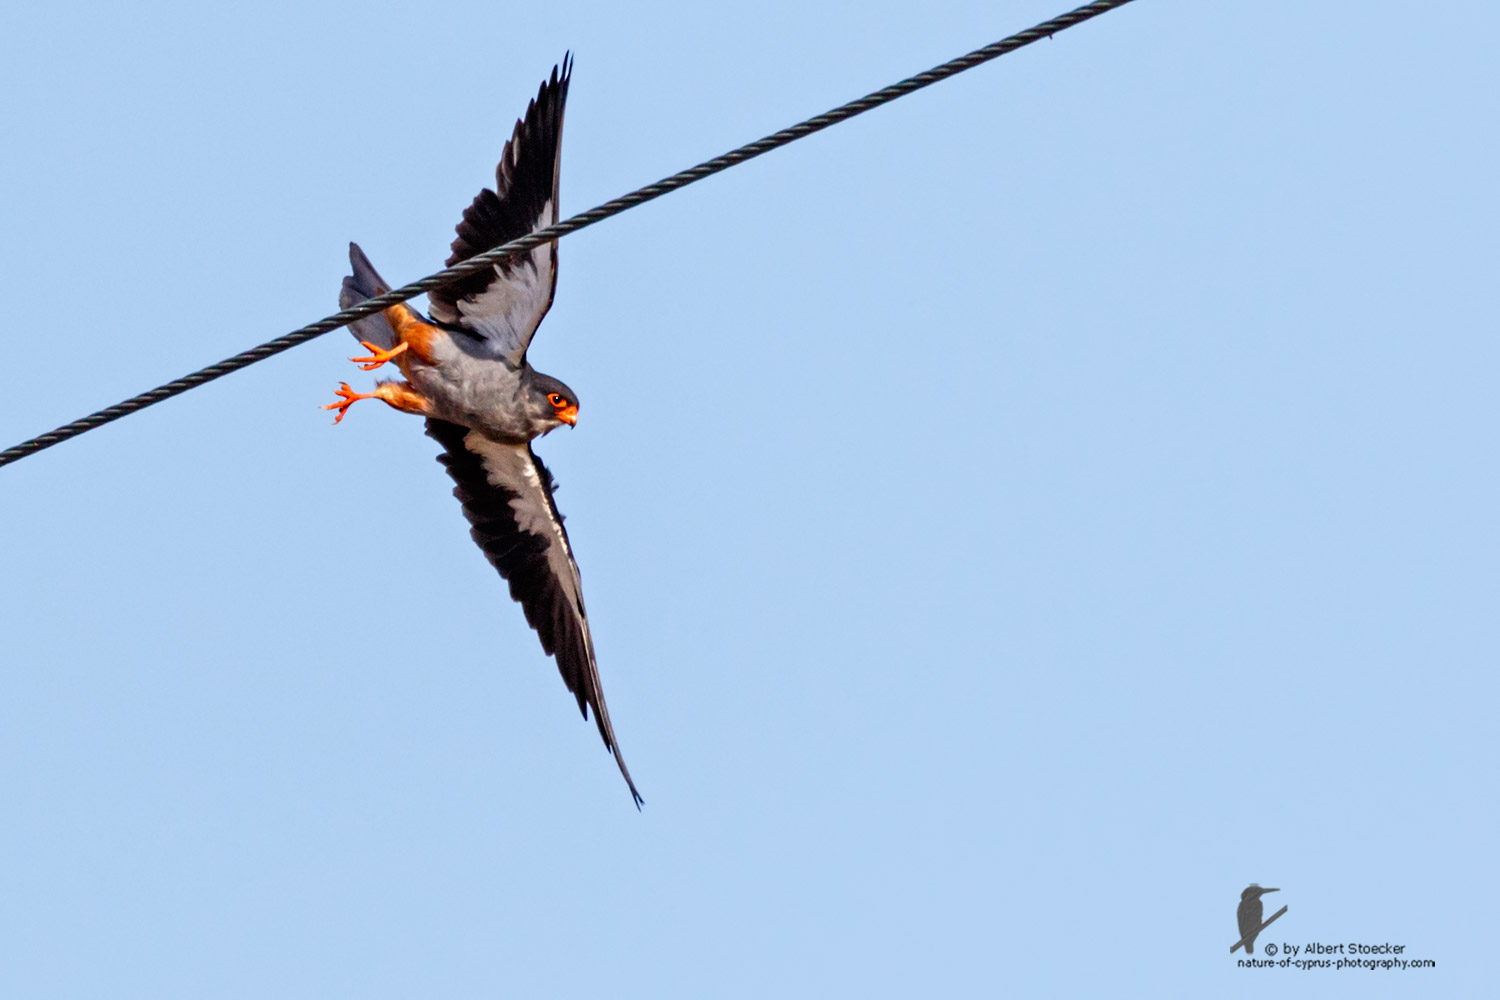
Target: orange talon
x=378, y=356
x=349, y=397
x=397, y=394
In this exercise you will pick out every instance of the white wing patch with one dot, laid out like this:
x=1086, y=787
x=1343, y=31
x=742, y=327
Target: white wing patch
x=508, y=312
x=528, y=469
x=509, y=467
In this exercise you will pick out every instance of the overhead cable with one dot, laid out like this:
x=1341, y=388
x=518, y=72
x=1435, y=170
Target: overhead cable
x=489, y=258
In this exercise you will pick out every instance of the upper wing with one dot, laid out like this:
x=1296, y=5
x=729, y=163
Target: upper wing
x=506, y=494
x=504, y=304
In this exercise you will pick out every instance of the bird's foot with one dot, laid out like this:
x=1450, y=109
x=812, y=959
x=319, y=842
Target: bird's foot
x=397, y=394
x=378, y=356
x=348, y=397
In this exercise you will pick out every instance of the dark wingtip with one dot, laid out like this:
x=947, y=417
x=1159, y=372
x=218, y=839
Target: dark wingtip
x=561, y=73
x=625, y=773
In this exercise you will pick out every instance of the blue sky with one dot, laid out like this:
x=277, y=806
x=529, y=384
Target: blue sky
x=1012, y=521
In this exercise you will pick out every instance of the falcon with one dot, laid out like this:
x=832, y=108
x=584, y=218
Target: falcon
x=466, y=371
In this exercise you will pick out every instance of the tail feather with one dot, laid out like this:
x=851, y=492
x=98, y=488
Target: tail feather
x=366, y=283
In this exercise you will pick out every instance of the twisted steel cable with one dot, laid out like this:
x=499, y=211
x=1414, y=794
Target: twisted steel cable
x=515, y=247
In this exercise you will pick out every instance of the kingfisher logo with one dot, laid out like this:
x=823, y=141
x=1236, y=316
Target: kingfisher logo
x=1249, y=914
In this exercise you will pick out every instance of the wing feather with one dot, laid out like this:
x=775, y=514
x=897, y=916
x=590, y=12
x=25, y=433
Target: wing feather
x=504, y=304
x=506, y=493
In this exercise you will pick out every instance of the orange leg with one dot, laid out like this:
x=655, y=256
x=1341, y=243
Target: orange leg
x=412, y=332
x=378, y=356
x=398, y=394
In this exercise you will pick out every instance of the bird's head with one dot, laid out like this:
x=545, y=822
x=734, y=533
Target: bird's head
x=552, y=403
x=1253, y=891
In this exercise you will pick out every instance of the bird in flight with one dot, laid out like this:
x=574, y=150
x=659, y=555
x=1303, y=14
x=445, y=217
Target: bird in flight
x=466, y=371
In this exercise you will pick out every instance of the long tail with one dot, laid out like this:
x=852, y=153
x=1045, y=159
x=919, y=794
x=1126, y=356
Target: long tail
x=365, y=283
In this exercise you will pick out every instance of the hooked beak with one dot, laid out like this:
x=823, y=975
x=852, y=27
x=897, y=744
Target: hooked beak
x=569, y=415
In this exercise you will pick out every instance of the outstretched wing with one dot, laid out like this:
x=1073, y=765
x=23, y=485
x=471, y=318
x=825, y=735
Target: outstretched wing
x=506, y=494
x=503, y=304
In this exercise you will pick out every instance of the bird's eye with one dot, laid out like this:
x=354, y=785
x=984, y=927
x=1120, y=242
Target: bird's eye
x=556, y=399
